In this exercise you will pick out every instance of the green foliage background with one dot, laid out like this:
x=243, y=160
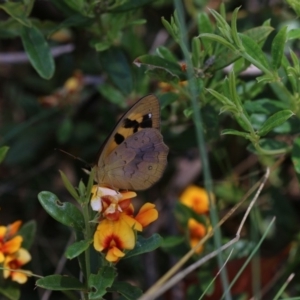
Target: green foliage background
x=125, y=50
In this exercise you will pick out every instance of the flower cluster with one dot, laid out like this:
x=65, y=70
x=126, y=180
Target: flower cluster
x=12, y=256
x=116, y=231
x=197, y=199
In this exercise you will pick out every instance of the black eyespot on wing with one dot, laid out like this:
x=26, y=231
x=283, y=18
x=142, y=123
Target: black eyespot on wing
x=131, y=123
x=119, y=138
x=147, y=121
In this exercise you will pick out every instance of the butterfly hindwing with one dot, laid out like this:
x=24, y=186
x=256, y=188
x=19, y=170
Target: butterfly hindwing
x=134, y=156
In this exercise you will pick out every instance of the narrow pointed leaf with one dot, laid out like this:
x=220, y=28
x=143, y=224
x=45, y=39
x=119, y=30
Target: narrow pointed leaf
x=295, y=6
x=130, y=5
x=226, y=56
x=293, y=34
x=90, y=184
x=3, y=152
x=254, y=50
x=100, y=282
x=63, y=212
x=156, y=62
x=38, y=51
x=296, y=155
x=165, y=53
x=69, y=186
x=278, y=45
x=235, y=132
x=16, y=10
x=145, y=245
x=275, y=120
x=77, y=248
x=60, y=283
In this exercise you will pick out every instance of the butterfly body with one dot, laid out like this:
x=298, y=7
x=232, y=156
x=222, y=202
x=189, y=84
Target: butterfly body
x=134, y=155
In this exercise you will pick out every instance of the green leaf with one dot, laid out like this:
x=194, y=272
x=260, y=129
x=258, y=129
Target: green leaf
x=130, y=5
x=269, y=144
x=264, y=106
x=218, y=39
x=63, y=212
x=205, y=26
x=235, y=132
x=296, y=155
x=145, y=245
x=293, y=34
x=223, y=99
x=3, y=152
x=156, y=62
x=225, y=56
x=295, y=5
x=82, y=190
x=60, y=283
x=100, y=282
x=16, y=10
x=277, y=49
x=165, y=53
x=102, y=46
x=28, y=232
x=253, y=50
x=112, y=94
x=115, y=64
x=10, y=291
x=76, y=20
x=90, y=185
x=126, y=290
x=77, y=248
x=77, y=5
x=275, y=120
x=9, y=28
x=196, y=53
x=69, y=186
x=38, y=51
x=172, y=241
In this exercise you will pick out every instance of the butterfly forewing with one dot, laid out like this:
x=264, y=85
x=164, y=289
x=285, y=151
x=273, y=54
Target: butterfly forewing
x=145, y=113
x=134, y=156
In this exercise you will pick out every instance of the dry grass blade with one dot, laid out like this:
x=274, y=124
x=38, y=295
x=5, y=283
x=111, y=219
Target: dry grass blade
x=165, y=282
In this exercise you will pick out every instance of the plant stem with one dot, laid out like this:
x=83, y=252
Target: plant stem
x=86, y=215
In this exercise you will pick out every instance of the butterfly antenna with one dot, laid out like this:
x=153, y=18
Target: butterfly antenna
x=73, y=156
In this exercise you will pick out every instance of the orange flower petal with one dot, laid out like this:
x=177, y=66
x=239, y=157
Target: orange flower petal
x=114, y=254
x=132, y=223
x=195, y=198
x=1, y=257
x=23, y=256
x=19, y=277
x=12, y=264
x=147, y=214
x=12, y=245
x=193, y=243
x=128, y=195
x=197, y=232
x=196, y=229
x=3, y=230
x=114, y=233
x=13, y=228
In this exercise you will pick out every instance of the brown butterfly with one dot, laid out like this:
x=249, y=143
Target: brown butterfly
x=134, y=155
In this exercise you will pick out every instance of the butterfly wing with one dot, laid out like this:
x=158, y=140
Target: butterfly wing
x=144, y=114
x=137, y=163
